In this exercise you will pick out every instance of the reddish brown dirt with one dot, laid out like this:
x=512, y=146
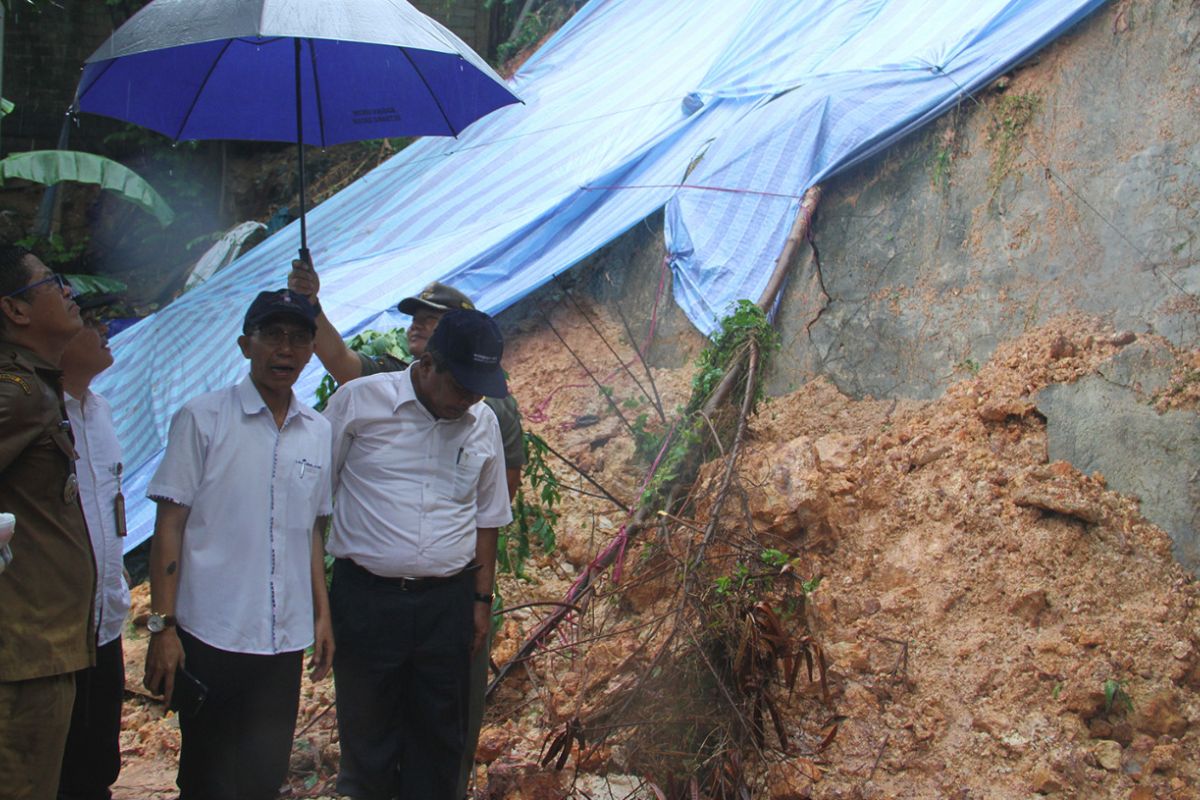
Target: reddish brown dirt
x=974, y=599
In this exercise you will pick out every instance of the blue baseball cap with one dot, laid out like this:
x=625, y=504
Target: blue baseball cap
x=280, y=303
x=470, y=344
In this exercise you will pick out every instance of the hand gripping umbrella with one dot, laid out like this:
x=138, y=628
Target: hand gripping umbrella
x=299, y=71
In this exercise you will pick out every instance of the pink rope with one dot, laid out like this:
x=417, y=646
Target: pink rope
x=700, y=187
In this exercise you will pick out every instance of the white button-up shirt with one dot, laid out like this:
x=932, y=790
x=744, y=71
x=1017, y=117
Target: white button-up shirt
x=254, y=491
x=411, y=490
x=97, y=468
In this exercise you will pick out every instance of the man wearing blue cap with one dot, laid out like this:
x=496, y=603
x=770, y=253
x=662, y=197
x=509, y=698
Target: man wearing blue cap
x=237, y=567
x=419, y=488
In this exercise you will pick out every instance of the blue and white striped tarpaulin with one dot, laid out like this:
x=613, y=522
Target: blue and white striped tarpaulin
x=722, y=111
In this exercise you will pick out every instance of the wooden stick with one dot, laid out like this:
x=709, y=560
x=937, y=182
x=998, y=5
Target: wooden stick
x=585, y=585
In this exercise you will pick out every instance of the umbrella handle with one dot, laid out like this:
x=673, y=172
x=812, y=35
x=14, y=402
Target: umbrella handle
x=306, y=257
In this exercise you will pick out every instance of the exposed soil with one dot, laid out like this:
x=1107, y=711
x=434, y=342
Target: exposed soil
x=975, y=601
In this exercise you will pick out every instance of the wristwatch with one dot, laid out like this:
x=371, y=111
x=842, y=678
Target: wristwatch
x=157, y=623
x=482, y=597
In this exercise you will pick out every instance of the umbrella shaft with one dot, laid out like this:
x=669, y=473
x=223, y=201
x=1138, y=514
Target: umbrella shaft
x=300, y=147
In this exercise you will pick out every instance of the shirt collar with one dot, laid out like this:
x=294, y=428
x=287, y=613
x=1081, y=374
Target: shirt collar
x=76, y=402
x=406, y=394
x=27, y=358
x=252, y=402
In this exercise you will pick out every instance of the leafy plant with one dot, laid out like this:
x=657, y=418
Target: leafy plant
x=940, y=166
x=49, y=167
x=774, y=558
x=53, y=250
x=369, y=343
x=534, y=515
x=95, y=284
x=1115, y=696
x=533, y=27
x=1011, y=115
x=745, y=322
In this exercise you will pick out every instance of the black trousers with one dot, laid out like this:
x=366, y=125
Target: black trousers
x=400, y=670
x=92, y=759
x=237, y=746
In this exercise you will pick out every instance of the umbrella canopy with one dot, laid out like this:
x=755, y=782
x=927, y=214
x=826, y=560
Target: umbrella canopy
x=236, y=69
x=304, y=71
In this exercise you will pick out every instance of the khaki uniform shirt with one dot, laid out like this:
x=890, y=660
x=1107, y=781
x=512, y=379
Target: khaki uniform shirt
x=46, y=624
x=504, y=408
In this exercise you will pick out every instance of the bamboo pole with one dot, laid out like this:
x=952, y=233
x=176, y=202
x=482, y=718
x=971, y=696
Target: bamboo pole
x=578, y=594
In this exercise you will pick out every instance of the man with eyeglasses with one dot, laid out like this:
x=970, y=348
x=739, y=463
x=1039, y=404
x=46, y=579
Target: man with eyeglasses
x=237, y=566
x=46, y=630
x=426, y=309
x=420, y=497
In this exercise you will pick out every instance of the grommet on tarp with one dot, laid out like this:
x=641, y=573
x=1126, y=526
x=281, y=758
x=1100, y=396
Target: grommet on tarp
x=692, y=102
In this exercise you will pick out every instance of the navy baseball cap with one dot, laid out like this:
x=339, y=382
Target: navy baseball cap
x=280, y=303
x=470, y=344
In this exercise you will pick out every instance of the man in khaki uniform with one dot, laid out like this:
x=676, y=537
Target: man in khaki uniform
x=46, y=629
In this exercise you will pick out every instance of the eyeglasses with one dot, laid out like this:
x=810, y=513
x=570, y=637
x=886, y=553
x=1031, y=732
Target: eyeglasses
x=55, y=277
x=276, y=337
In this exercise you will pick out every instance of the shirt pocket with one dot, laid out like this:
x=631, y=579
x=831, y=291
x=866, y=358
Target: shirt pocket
x=305, y=487
x=467, y=466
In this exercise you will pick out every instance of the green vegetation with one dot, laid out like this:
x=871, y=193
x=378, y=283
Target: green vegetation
x=940, y=166
x=745, y=323
x=534, y=514
x=95, y=284
x=370, y=343
x=1011, y=115
x=1115, y=696
x=49, y=167
x=534, y=26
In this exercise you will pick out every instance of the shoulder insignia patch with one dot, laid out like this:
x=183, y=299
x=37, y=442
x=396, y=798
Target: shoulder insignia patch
x=17, y=379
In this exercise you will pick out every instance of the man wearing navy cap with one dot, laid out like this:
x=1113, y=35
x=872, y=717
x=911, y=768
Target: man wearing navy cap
x=237, y=567
x=419, y=484
x=426, y=308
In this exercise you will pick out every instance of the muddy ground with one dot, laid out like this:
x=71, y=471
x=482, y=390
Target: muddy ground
x=993, y=625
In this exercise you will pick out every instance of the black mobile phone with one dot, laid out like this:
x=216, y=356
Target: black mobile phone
x=189, y=693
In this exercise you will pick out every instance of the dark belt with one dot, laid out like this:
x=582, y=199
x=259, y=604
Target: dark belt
x=406, y=584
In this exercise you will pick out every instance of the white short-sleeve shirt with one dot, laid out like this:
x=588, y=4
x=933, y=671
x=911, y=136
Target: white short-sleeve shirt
x=97, y=468
x=410, y=490
x=254, y=491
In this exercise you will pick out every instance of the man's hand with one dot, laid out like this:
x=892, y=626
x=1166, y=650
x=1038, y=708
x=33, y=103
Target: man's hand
x=322, y=655
x=483, y=621
x=162, y=659
x=303, y=280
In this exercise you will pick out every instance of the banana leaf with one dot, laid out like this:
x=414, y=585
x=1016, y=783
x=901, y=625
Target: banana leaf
x=95, y=284
x=52, y=166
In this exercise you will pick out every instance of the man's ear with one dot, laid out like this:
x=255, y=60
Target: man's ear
x=244, y=344
x=15, y=313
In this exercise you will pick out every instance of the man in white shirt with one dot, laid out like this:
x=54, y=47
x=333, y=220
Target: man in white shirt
x=420, y=494
x=237, y=573
x=92, y=759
